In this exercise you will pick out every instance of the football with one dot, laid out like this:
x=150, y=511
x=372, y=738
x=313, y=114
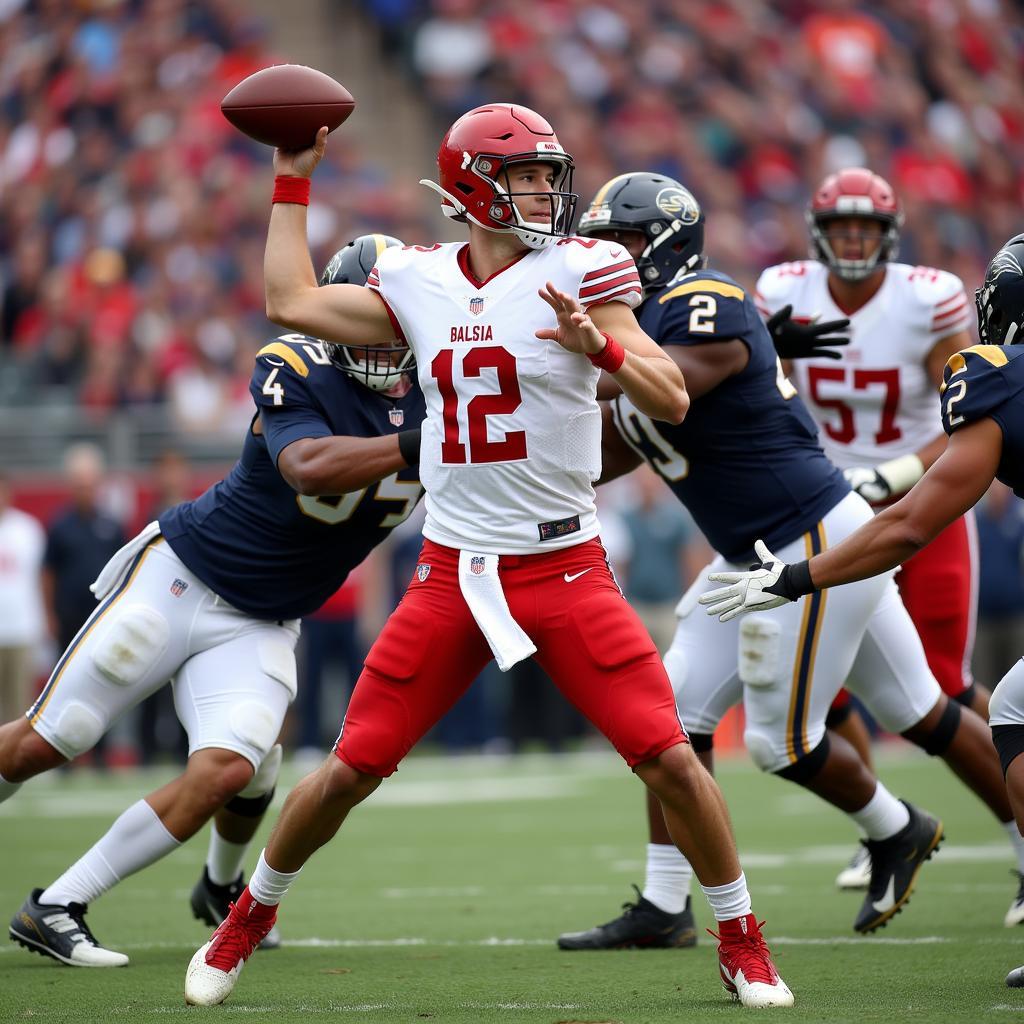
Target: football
x=284, y=105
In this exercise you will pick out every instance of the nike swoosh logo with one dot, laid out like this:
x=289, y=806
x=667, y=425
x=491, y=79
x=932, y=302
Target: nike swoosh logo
x=888, y=901
x=575, y=575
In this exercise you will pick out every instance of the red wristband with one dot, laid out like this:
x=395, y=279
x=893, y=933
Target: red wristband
x=290, y=189
x=611, y=357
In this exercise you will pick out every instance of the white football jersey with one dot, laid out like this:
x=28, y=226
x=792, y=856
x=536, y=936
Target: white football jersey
x=511, y=442
x=877, y=402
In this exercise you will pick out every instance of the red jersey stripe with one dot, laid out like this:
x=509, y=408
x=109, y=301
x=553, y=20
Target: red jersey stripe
x=603, y=286
x=616, y=268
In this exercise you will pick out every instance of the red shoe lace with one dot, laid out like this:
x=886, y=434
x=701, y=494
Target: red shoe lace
x=236, y=938
x=751, y=955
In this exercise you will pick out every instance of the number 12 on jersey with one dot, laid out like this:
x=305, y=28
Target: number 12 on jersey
x=477, y=447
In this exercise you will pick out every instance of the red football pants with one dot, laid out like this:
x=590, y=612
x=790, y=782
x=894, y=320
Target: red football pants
x=939, y=588
x=588, y=640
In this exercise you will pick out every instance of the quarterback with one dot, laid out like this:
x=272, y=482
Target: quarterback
x=210, y=597
x=510, y=333
x=983, y=414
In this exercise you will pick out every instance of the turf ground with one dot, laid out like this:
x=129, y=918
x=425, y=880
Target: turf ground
x=441, y=900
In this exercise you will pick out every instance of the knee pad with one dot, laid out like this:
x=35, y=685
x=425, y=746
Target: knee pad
x=805, y=768
x=938, y=740
x=966, y=697
x=258, y=795
x=702, y=742
x=255, y=725
x=759, y=651
x=277, y=659
x=265, y=778
x=761, y=750
x=77, y=729
x=133, y=644
x=1009, y=742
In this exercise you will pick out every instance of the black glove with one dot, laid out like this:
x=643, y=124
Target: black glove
x=794, y=340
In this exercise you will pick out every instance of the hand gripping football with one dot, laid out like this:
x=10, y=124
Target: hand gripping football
x=286, y=104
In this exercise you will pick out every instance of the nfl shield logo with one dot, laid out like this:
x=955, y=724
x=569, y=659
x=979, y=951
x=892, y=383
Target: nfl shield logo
x=396, y=417
x=476, y=565
x=178, y=587
x=476, y=306
x=422, y=572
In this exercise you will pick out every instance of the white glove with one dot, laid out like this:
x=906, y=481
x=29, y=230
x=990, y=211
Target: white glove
x=748, y=591
x=879, y=483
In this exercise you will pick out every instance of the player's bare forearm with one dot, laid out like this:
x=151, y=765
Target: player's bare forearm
x=957, y=480
x=648, y=377
x=617, y=458
x=336, y=465
x=654, y=384
x=288, y=275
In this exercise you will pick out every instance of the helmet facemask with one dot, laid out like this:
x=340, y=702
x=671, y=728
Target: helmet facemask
x=378, y=367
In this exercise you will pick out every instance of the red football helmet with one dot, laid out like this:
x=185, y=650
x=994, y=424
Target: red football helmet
x=474, y=153
x=854, y=192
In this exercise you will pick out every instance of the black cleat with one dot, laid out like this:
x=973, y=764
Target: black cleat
x=211, y=903
x=641, y=926
x=60, y=932
x=895, y=863
x=1015, y=979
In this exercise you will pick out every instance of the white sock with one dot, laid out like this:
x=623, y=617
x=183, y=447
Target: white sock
x=729, y=901
x=137, y=839
x=1017, y=841
x=268, y=886
x=668, y=878
x=224, y=858
x=882, y=816
x=8, y=789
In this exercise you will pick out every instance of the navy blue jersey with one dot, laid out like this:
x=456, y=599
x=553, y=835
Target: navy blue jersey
x=268, y=551
x=988, y=381
x=746, y=460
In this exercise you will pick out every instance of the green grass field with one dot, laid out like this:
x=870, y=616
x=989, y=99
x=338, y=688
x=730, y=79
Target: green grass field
x=441, y=899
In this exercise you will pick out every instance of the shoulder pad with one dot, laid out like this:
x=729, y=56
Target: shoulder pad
x=291, y=350
x=974, y=382
x=704, y=306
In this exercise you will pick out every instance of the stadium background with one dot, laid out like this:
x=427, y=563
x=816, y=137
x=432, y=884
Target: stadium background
x=132, y=219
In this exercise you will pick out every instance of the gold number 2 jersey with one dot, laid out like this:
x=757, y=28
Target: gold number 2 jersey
x=512, y=438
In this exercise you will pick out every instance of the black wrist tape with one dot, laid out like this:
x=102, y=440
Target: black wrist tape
x=409, y=446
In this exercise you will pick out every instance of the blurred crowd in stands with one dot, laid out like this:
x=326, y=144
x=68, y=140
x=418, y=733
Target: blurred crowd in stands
x=751, y=103
x=132, y=215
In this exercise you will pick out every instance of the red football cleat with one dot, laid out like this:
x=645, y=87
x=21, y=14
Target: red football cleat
x=745, y=963
x=215, y=966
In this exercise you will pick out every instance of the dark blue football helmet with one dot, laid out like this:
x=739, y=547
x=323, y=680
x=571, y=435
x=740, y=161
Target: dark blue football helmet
x=660, y=207
x=1000, y=299
x=375, y=366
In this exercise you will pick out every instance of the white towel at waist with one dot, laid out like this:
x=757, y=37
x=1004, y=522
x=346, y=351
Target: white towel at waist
x=481, y=588
x=114, y=572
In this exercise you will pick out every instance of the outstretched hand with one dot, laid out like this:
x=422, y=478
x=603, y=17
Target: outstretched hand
x=575, y=332
x=755, y=590
x=301, y=162
x=795, y=340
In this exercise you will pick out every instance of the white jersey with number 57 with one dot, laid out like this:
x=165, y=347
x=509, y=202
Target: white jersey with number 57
x=877, y=402
x=512, y=438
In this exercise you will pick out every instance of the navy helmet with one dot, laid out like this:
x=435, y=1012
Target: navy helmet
x=1000, y=299
x=376, y=366
x=663, y=210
